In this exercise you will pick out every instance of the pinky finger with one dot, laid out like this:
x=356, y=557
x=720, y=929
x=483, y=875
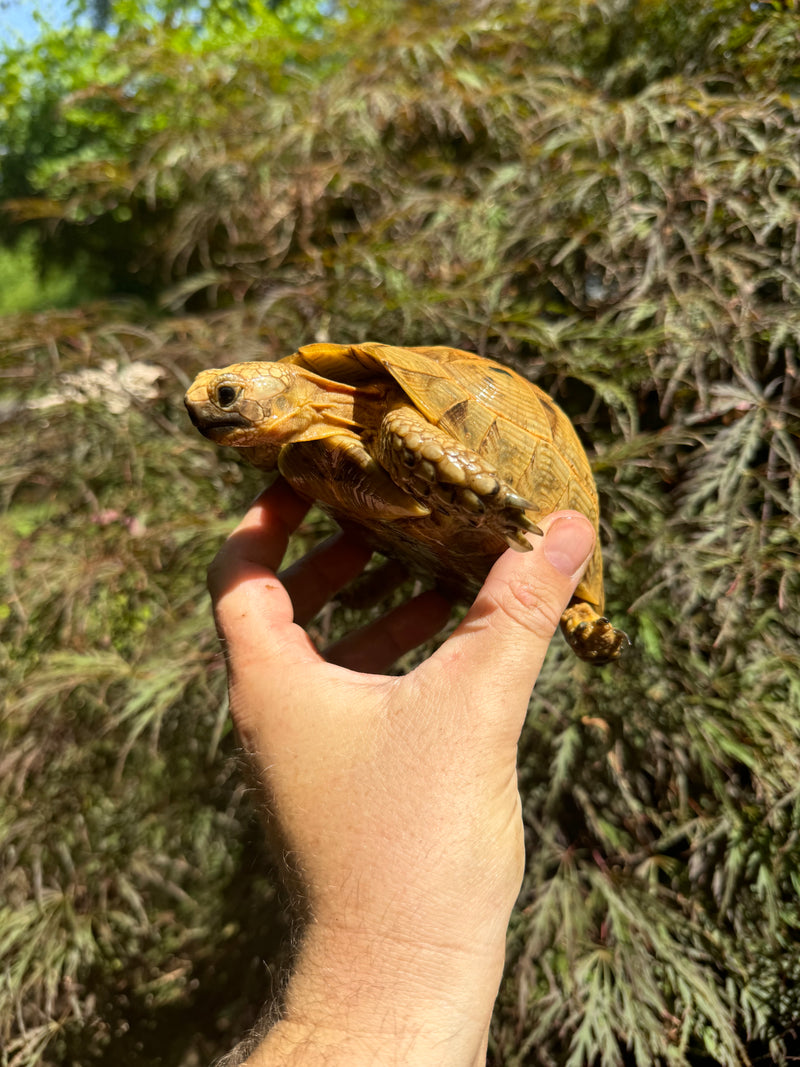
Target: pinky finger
x=376, y=646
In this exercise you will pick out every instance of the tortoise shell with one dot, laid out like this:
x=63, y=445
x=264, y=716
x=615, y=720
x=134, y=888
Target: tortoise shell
x=444, y=458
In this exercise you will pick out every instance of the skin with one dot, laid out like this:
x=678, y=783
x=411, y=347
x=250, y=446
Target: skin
x=395, y=797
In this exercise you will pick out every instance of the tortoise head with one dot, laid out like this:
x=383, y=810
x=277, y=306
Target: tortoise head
x=251, y=404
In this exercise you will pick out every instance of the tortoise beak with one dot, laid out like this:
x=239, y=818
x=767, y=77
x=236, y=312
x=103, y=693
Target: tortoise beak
x=213, y=422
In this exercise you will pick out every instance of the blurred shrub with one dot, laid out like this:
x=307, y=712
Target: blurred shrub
x=24, y=286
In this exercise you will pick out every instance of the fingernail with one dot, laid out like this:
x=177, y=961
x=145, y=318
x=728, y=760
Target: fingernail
x=568, y=542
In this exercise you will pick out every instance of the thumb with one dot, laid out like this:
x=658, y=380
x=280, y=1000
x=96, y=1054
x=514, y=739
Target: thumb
x=501, y=644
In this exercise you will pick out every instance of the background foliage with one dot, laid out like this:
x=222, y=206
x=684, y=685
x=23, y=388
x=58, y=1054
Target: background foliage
x=604, y=194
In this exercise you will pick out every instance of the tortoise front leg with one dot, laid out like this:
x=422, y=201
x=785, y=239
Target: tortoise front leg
x=340, y=473
x=450, y=478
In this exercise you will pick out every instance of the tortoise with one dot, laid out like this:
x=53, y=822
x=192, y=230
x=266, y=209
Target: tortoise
x=442, y=457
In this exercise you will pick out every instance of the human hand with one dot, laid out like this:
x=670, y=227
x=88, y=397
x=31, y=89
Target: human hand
x=395, y=797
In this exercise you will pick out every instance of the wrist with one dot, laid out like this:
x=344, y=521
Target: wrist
x=300, y=1045
x=357, y=1002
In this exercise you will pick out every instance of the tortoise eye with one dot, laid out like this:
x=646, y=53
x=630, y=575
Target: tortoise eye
x=227, y=395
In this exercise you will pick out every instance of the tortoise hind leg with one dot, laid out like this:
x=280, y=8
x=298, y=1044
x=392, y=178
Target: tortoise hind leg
x=449, y=478
x=591, y=636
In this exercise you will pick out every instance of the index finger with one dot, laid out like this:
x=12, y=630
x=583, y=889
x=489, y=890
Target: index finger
x=259, y=541
x=249, y=600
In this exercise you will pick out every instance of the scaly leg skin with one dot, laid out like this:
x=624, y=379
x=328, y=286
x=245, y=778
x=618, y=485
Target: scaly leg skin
x=590, y=636
x=338, y=471
x=448, y=477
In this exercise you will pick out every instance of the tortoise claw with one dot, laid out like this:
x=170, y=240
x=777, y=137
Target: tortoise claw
x=530, y=526
x=514, y=500
x=517, y=540
x=518, y=522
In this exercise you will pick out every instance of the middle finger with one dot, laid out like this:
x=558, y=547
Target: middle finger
x=314, y=579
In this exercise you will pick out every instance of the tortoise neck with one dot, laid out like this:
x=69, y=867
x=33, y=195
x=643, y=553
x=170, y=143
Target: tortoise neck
x=338, y=407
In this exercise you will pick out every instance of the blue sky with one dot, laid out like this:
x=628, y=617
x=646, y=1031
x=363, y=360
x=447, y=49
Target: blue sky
x=17, y=17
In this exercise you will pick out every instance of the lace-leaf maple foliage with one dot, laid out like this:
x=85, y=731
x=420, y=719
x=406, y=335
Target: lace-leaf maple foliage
x=605, y=195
